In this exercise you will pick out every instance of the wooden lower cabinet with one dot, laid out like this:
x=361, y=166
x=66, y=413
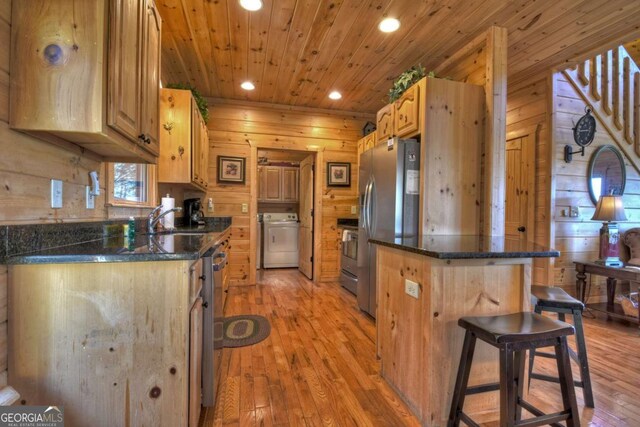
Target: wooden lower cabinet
x=195, y=363
x=419, y=341
x=116, y=344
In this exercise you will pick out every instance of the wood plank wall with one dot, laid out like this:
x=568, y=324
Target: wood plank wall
x=578, y=237
x=527, y=107
x=238, y=129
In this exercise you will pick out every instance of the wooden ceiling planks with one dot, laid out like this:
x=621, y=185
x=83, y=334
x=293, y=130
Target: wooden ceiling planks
x=297, y=51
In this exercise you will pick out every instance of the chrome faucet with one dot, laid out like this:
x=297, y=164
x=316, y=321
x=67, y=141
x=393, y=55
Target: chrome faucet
x=152, y=219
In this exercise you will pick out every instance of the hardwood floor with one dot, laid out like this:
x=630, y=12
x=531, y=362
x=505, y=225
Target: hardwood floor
x=318, y=366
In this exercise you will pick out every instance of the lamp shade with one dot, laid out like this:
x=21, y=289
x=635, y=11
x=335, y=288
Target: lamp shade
x=609, y=208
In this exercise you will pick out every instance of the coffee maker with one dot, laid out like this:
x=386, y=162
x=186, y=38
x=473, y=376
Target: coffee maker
x=193, y=212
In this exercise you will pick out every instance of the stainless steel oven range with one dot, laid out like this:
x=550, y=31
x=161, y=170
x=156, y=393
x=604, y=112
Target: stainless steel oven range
x=349, y=255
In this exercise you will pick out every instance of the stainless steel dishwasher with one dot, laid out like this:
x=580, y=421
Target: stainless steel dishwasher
x=214, y=262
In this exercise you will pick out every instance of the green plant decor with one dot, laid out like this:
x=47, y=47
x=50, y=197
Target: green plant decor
x=200, y=101
x=406, y=80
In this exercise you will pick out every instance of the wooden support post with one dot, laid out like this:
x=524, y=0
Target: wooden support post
x=495, y=132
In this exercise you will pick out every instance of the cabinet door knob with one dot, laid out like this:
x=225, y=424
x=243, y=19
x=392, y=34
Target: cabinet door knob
x=522, y=229
x=202, y=277
x=205, y=304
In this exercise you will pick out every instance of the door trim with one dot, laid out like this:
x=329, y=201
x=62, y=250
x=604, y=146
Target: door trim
x=253, y=209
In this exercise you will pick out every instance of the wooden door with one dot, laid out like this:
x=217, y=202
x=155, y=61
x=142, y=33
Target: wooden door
x=273, y=185
x=151, y=77
x=370, y=141
x=305, y=244
x=196, y=145
x=406, y=121
x=520, y=189
x=290, y=184
x=124, y=68
x=384, y=123
x=195, y=363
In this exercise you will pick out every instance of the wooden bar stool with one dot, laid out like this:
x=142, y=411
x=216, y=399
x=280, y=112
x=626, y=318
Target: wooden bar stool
x=558, y=301
x=513, y=334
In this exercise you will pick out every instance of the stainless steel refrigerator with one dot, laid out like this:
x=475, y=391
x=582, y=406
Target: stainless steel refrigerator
x=389, y=191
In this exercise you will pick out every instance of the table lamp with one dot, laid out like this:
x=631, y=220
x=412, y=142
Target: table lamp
x=609, y=210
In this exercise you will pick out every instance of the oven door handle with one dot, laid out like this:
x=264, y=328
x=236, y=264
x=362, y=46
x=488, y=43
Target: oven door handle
x=219, y=261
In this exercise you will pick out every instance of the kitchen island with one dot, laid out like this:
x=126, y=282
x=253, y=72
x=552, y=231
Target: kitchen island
x=114, y=327
x=418, y=338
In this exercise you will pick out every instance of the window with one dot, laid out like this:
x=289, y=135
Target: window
x=131, y=184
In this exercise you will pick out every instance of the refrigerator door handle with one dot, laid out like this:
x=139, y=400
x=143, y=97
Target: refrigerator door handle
x=371, y=220
x=367, y=207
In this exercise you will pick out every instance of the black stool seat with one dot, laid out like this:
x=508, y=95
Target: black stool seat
x=547, y=296
x=514, y=335
x=516, y=327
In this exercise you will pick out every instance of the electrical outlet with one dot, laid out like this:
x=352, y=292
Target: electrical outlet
x=245, y=207
x=91, y=200
x=210, y=205
x=354, y=209
x=411, y=288
x=56, y=193
x=574, y=212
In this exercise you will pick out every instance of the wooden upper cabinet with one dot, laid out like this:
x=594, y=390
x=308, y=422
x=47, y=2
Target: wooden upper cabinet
x=87, y=72
x=369, y=141
x=384, y=123
x=290, y=184
x=125, y=67
x=151, y=77
x=272, y=182
x=406, y=122
x=278, y=184
x=184, y=140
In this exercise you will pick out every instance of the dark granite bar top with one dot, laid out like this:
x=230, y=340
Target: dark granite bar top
x=467, y=247
x=184, y=243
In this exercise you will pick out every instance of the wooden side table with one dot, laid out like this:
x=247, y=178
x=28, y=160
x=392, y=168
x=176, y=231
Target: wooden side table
x=612, y=274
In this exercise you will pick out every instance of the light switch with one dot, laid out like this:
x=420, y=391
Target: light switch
x=245, y=207
x=91, y=199
x=354, y=209
x=56, y=193
x=210, y=205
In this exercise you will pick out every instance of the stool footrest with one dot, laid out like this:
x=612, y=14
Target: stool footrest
x=537, y=412
x=468, y=421
x=547, y=355
x=553, y=379
x=483, y=388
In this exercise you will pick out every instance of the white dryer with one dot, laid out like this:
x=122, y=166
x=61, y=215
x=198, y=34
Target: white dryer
x=280, y=240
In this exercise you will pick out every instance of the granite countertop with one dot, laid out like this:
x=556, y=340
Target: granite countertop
x=184, y=243
x=467, y=247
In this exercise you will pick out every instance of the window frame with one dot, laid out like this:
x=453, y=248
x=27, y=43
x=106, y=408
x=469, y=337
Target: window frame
x=152, y=188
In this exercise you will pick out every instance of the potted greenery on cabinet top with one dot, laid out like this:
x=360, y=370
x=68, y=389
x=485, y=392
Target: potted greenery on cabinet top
x=408, y=79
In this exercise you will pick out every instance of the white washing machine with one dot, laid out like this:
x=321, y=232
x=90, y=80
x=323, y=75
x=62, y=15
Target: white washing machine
x=280, y=240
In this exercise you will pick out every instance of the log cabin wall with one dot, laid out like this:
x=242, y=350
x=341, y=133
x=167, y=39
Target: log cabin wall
x=578, y=237
x=239, y=129
x=527, y=109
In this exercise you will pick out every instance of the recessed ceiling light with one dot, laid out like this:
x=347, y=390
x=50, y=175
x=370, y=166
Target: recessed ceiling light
x=335, y=95
x=389, y=25
x=251, y=5
x=247, y=86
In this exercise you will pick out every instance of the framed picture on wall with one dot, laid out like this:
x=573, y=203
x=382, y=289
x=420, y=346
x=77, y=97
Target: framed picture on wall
x=338, y=174
x=231, y=170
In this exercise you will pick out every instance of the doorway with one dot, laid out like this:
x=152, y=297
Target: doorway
x=520, y=186
x=286, y=187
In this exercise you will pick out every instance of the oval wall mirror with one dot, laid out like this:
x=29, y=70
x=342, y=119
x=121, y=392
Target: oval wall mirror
x=606, y=174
